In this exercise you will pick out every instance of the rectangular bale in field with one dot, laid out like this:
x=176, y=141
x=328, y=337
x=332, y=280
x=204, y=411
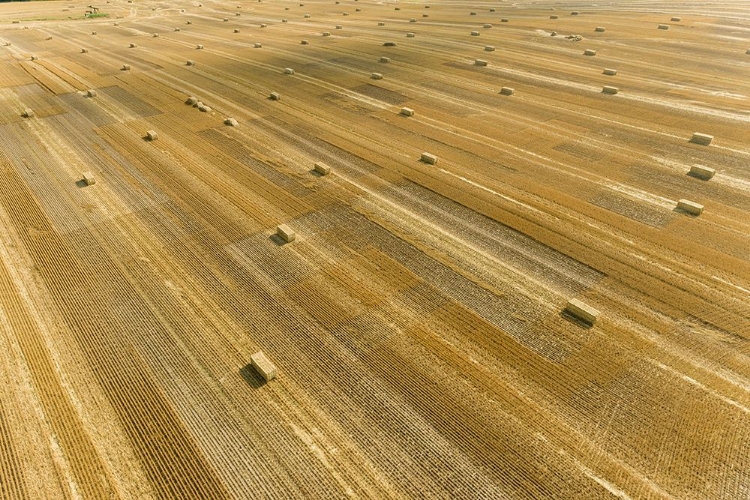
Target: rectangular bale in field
x=480, y=62
x=610, y=71
x=286, y=233
x=429, y=158
x=407, y=112
x=377, y=76
x=589, y=52
x=275, y=96
x=582, y=311
x=607, y=89
x=702, y=172
x=89, y=179
x=690, y=207
x=151, y=135
x=702, y=139
x=507, y=91
x=322, y=168
x=263, y=366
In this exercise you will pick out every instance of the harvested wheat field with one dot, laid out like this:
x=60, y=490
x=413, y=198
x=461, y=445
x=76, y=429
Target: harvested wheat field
x=322, y=249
